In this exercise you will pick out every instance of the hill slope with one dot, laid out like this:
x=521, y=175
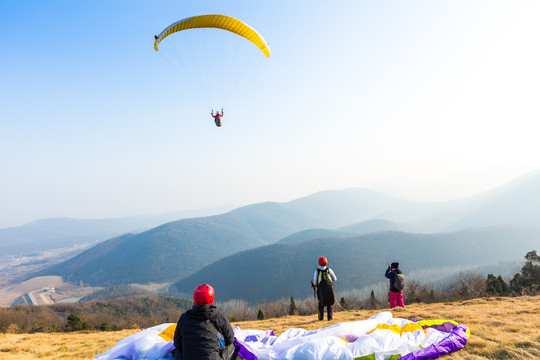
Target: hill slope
x=515, y=203
x=177, y=249
x=284, y=269
x=47, y=234
x=311, y=234
x=166, y=253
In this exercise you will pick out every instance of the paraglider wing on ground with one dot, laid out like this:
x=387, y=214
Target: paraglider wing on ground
x=380, y=337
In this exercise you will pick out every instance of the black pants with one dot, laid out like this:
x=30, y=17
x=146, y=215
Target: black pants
x=329, y=310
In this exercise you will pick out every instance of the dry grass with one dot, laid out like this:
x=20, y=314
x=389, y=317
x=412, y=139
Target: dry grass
x=79, y=345
x=501, y=328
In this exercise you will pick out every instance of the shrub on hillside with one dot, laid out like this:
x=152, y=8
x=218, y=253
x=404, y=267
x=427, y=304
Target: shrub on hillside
x=468, y=285
x=496, y=285
x=528, y=280
x=416, y=292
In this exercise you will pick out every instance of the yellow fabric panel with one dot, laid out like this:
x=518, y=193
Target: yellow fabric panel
x=168, y=333
x=410, y=327
x=219, y=22
x=435, y=322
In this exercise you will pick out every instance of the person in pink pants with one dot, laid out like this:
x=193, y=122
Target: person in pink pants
x=396, y=285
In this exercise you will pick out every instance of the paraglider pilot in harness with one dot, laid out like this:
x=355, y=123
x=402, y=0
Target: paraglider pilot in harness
x=323, y=281
x=217, y=117
x=203, y=332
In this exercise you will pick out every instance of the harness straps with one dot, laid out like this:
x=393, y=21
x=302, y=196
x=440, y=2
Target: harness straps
x=228, y=351
x=212, y=327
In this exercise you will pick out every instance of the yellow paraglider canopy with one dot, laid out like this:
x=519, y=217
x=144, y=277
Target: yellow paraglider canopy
x=219, y=22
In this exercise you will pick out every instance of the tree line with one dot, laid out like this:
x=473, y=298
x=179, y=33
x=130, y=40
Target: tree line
x=144, y=311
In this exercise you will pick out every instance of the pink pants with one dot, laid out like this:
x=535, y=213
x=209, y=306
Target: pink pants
x=396, y=297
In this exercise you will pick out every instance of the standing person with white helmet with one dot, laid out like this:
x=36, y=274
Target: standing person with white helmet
x=323, y=280
x=203, y=330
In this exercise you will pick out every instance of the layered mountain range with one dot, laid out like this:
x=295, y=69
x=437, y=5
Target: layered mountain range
x=266, y=250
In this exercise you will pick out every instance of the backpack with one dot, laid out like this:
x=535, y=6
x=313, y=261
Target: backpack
x=399, y=283
x=325, y=288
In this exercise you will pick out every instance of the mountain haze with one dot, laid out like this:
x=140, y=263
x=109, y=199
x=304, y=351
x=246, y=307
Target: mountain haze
x=47, y=234
x=166, y=253
x=284, y=269
x=371, y=226
x=311, y=234
x=181, y=248
x=515, y=203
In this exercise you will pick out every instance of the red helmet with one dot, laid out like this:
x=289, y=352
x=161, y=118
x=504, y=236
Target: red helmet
x=203, y=294
x=323, y=261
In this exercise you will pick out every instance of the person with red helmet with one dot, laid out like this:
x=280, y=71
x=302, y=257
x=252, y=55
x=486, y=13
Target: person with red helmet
x=323, y=280
x=217, y=117
x=203, y=332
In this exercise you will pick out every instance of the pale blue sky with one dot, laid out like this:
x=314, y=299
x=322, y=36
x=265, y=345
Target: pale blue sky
x=428, y=99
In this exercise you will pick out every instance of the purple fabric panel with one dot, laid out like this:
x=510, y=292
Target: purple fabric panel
x=446, y=327
x=243, y=352
x=453, y=342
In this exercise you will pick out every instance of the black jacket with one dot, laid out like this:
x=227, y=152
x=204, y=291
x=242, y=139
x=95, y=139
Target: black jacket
x=194, y=338
x=391, y=274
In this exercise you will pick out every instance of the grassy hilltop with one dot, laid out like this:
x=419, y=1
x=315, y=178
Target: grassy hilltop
x=501, y=328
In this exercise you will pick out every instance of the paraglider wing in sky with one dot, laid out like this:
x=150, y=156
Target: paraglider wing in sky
x=219, y=22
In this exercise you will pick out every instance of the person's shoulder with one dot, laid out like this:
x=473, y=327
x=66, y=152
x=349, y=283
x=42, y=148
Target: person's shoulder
x=183, y=317
x=218, y=314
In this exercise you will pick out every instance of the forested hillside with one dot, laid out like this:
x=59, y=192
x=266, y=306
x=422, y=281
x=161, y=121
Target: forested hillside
x=178, y=249
x=166, y=253
x=284, y=269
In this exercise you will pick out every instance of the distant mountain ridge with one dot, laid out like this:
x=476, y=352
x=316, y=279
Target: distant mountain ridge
x=47, y=234
x=311, y=234
x=179, y=249
x=283, y=269
x=163, y=254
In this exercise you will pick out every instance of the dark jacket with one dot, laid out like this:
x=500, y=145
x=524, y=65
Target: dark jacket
x=391, y=274
x=194, y=338
x=325, y=288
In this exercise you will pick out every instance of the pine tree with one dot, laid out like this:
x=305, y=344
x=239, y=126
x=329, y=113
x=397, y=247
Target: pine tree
x=372, y=303
x=260, y=315
x=493, y=285
x=292, y=307
x=504, y=286
x=528, y=280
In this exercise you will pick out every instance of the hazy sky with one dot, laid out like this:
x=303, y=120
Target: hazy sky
x=432, y=100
